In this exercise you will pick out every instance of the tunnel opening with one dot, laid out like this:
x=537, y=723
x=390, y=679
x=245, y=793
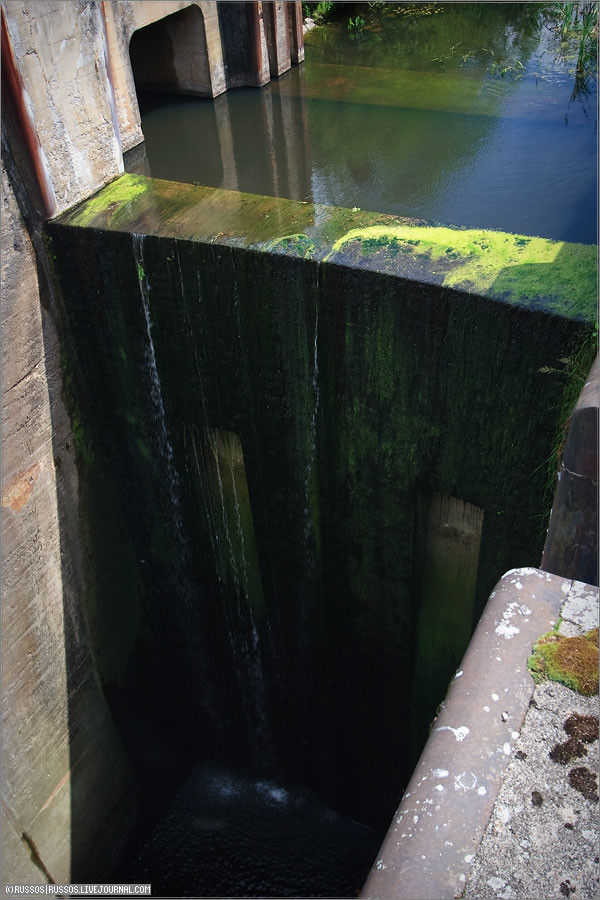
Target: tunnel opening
x=171, y=56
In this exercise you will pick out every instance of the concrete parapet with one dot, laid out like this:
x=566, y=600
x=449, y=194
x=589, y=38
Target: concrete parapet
x=435, y=836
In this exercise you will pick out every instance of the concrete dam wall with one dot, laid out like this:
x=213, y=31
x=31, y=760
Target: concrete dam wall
x=69, y=110
x=310, y=440
x=247, y=446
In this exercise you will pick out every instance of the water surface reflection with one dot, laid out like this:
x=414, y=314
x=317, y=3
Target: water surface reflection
x=461, y=117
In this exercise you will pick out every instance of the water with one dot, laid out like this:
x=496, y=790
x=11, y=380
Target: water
x=227, y=835
x=163, y=447
x=463, y=116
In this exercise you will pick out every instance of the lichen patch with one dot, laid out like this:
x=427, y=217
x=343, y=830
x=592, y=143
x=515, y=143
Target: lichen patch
x=584, y=781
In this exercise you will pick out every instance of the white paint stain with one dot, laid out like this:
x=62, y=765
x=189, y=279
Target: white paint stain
x=486, y=709
x=439, y=787
x=495, y=698
x=507, y=631
x=466, y=781
x=481, y=791
x=458, y=674
x=440, y=773
x=469, y=857
x=459, y=733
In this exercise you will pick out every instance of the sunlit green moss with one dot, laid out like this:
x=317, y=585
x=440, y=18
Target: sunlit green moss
x=112, y=197
x=515, y=267
x=297, y=244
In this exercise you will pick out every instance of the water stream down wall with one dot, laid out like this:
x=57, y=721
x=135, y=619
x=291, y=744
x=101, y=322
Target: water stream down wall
x=287, y=417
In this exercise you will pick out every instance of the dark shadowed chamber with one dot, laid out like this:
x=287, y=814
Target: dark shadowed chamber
x=300, y=480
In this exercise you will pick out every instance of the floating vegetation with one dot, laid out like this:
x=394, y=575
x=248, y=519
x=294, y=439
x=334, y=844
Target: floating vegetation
x=416, y=9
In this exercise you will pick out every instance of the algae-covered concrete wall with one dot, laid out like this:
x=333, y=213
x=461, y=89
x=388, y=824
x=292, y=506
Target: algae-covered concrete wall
x=352, y=363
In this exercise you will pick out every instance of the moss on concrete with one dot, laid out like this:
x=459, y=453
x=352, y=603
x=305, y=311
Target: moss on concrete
x=296, y=244
x=110, y=199
x=573, y=661
x=516, y=267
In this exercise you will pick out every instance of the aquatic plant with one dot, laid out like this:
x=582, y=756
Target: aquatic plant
x=355, y=26
x=575, y=26
x=318, y=12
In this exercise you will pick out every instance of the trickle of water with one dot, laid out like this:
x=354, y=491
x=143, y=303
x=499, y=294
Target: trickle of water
x=313, y=424
x=162, y=442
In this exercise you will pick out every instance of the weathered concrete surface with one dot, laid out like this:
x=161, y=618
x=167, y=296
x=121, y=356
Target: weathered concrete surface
x=60, y=748
x=60, y=54
x=123, y=18
x=278, y=30
x=73, y=59
x=488, y=813
x=446, y=807
x=542, y=838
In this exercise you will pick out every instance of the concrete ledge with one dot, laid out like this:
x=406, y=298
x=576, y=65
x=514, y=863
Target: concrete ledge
x=439, y=825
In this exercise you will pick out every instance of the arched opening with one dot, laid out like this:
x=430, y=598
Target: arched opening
x=171, y=55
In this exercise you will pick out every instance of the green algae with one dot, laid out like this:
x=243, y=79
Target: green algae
x=110, y=199
x=517, y=268
x=297, y=244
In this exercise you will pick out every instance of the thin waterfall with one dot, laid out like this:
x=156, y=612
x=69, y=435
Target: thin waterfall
x=160, y=431
x=313, y=423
